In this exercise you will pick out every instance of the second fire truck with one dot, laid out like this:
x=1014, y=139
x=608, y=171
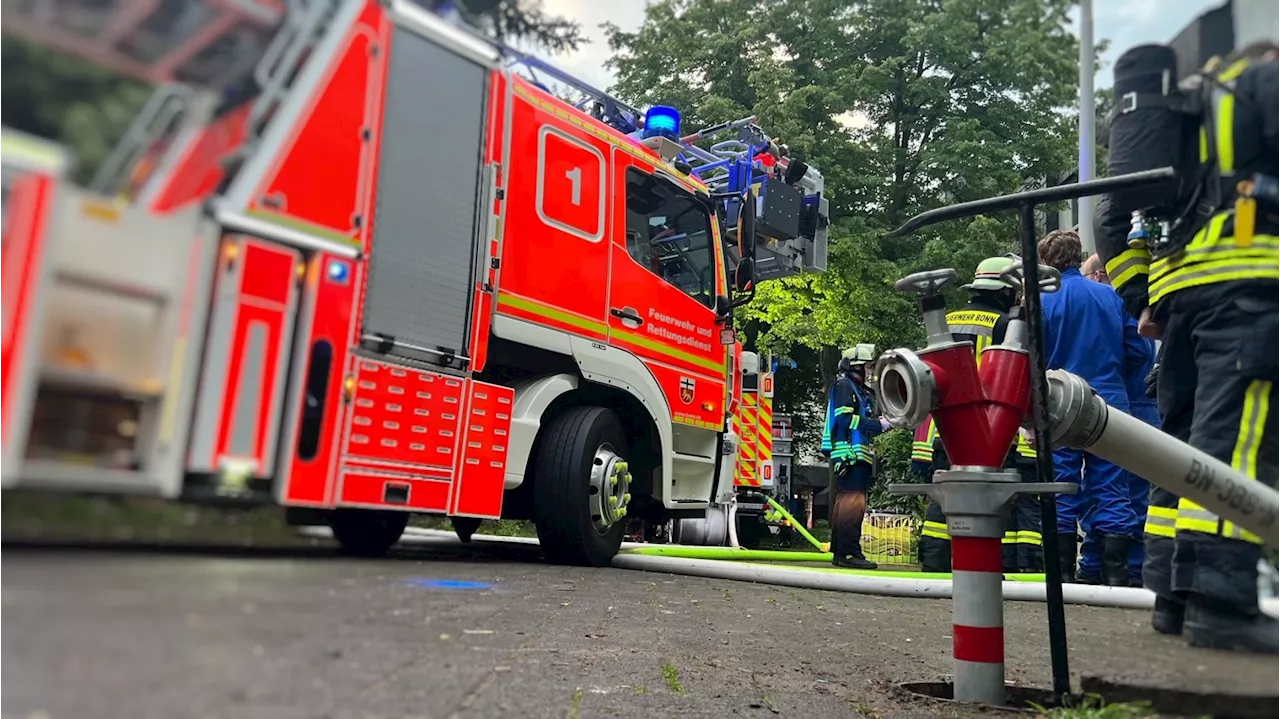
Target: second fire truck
x=388, y=273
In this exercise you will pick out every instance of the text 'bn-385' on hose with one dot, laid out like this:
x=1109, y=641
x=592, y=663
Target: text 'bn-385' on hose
x=1082, y=420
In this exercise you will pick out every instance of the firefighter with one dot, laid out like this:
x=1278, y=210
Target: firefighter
x=1143, y=407
x=1086, y=333
x=928, y=456
x=1210, y=293
x=846, y=442
x=983, y=321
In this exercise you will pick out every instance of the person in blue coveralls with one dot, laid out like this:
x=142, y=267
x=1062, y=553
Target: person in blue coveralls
x=846, y=442
x=1143, y=406
x=1087, y=334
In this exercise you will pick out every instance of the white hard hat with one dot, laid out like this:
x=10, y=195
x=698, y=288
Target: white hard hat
x=859, y=353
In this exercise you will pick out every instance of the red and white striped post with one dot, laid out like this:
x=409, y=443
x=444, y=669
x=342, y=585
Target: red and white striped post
x=977, y=617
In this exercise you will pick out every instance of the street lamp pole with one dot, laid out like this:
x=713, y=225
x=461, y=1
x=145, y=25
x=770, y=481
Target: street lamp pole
x=1088, y=137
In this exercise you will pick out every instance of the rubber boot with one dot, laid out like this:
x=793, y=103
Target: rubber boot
x=1067, y=557
x=854, y=561
x=1115, y=560
x=1210, y=626
x=1168, y=616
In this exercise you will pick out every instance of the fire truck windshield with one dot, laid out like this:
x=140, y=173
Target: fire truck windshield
x=669, y=233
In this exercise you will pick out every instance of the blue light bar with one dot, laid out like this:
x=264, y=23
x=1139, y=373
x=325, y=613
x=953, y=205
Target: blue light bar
x=662, y=120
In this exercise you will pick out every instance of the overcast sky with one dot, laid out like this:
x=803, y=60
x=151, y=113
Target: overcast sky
x=1124, y=22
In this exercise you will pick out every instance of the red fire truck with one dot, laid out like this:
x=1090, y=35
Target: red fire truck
x=358, y=261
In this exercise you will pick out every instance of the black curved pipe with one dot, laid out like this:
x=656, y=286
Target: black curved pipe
x=1032, y=198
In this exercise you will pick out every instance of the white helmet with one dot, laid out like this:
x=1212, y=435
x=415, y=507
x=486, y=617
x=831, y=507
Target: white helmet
x=859, y=354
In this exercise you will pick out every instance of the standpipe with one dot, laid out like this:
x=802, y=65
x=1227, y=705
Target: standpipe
x=978, y=411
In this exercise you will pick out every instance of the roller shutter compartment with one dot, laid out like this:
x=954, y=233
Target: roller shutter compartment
x=421, y=271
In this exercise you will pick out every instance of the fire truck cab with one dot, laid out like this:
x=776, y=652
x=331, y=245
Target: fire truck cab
x=381, y=269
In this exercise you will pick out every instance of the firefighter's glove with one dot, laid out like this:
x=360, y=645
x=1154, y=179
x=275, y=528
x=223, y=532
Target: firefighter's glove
x=843, y=469
x=1150, y=381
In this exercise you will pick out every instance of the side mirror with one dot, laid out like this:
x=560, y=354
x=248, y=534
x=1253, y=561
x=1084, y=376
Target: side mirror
x=747, y=227
x=723, y=308
x=744, y=275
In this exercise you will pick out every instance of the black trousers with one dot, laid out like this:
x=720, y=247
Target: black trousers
x=1023, y=544
x=1217, y=391
x=935, y=551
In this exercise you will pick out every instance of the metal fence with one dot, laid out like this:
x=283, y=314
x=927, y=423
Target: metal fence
x=890, y=538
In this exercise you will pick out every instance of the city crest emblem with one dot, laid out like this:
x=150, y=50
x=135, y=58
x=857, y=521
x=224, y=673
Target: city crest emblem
x=686, y=390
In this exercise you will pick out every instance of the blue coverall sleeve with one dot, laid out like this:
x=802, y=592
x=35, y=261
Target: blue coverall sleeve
x=870, y=426
x=1137, y=351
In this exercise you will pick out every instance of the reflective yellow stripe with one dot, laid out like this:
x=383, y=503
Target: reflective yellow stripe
x=1257, y=403
x=1022, y=536
x=1161, y=521
x=1211, y=258
x=1024, y=447
x=1127, y=265
x=1192, y=517
x=937, y=530
x=1224, y=117
x=1253, y=420
x=1244, y=457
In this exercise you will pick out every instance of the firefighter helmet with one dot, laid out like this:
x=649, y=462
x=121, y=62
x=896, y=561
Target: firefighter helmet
x=859, y=354
x=987, y=276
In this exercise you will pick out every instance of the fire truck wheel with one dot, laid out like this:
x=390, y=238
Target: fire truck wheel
x=581, y=487
x=365, y=532
x=464, y=527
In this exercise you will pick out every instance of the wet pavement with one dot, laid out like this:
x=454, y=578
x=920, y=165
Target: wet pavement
x=138, y=632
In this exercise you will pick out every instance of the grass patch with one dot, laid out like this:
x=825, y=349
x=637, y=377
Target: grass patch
x=35, y=516
x=671, y=677
x=56, y=517
x=500, y=528
x=1094, y=707
x=575, y=704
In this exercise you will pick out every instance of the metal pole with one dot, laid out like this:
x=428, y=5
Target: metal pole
x=977, y=619
x=1088, y=139
x=1044, y=453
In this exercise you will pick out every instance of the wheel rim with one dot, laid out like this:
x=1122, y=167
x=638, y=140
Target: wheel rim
x=609, y=490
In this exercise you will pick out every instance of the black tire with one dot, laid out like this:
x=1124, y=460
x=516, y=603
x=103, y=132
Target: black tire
x=464, y=527
x=562, y=481
x=367, y=532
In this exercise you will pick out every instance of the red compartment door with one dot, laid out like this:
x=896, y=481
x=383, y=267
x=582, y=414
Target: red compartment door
x=242, y=382
x=479, y=481
x=403, y=438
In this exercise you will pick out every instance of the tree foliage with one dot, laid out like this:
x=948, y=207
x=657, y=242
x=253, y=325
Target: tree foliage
x=523, y=20
x=904, y=105
x=68, y=100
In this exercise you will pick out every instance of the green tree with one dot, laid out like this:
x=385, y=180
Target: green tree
x=904, y=105
x=523, y=20
x=68, y=100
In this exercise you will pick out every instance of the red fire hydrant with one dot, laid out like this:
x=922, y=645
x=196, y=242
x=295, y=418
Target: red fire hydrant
x=978, y=413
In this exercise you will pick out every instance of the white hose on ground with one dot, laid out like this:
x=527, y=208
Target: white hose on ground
x=1091, y=595
x=733, y=522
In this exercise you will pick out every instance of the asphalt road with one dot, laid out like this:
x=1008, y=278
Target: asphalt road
x=492, y=632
